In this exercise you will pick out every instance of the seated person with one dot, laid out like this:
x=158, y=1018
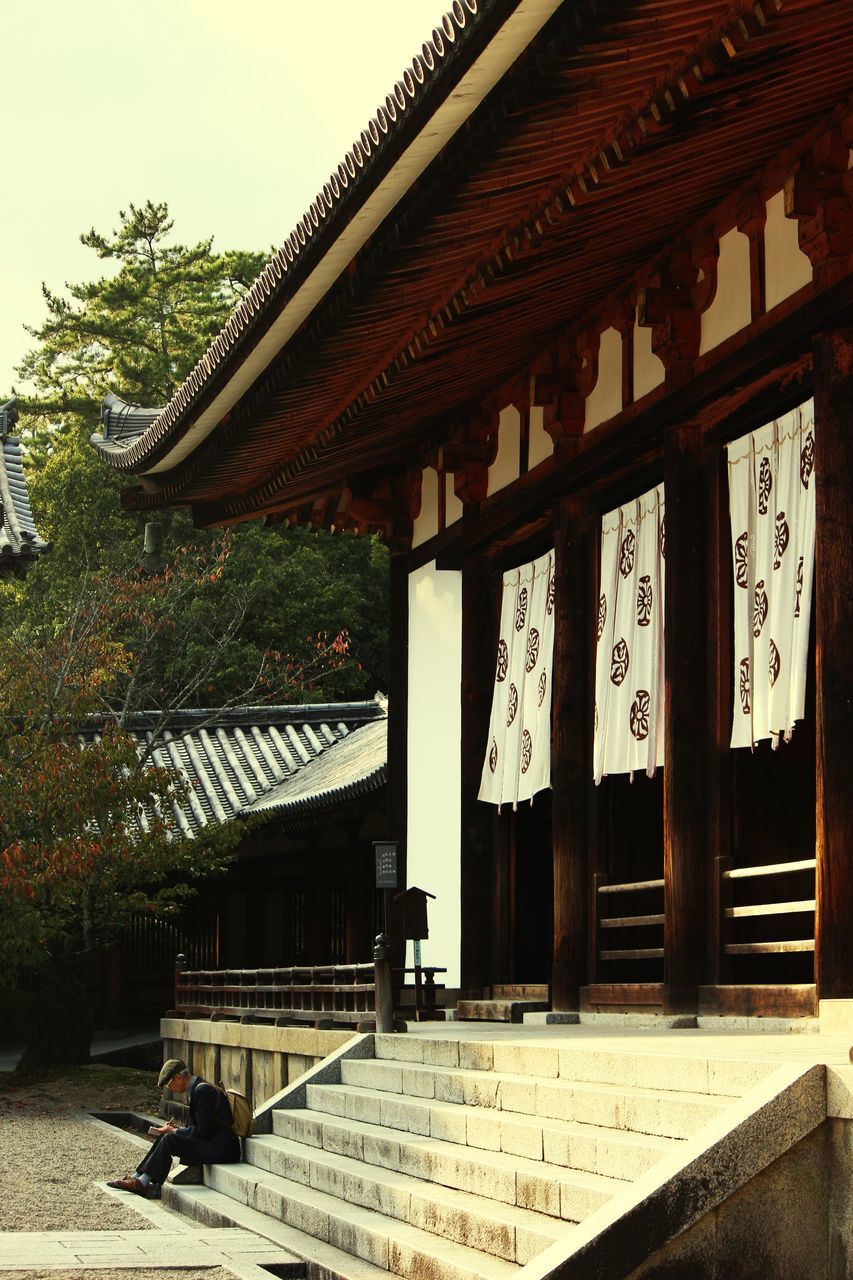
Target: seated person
x=207, y=1139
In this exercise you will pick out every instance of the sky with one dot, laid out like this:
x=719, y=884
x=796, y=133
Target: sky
x=234, y=112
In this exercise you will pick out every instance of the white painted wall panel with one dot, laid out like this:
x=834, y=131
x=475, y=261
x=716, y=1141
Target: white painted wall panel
x=506, y=466
x=648, y=368
x=605, y=399
x=731, y=309
x=541, y=445
x=786, y=267
x=426, y=522
x=434, y=764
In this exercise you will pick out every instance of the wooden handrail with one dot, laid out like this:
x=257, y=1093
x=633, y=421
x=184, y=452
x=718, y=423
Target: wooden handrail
x=631, y=888
x=770, y=869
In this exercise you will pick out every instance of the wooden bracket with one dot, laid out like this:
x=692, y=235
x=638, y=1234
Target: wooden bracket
x=470, y=453
x=818, y=196
x=563, y=392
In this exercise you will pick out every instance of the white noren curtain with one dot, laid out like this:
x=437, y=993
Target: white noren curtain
x=518, y=751
x=629, y=669
x=772, y=508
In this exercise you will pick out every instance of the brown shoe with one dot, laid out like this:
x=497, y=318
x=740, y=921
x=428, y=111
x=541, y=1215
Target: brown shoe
x=130, y=1184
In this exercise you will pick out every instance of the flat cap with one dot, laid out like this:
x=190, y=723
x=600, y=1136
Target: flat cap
x=169, y=1069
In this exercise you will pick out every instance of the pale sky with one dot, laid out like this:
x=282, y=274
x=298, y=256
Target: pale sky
x=233, y=111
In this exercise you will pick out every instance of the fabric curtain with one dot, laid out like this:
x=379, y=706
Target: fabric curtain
x=629, y=662
x=518, y=752
x=772, y=509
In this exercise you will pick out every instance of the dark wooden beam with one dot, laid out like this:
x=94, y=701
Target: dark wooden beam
x=571, y=757
x=480, y=604
x=833, y=382
x=398, y=682
x=773, y=342
x=685, y=717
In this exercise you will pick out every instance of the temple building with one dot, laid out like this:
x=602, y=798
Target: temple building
x=20, y=541
x=571, y=324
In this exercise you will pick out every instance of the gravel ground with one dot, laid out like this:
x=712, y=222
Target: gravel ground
x=50, y=1158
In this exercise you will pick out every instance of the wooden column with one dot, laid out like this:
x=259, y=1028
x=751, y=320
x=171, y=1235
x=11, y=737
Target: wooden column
x=833, y=623
x=398, y=728
x=685, y=717
x=480, y=601
x=571, y=754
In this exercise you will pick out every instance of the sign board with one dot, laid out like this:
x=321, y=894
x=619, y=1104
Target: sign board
x=386, y=863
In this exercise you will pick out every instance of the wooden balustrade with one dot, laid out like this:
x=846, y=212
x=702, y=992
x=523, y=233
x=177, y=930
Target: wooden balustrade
x=319, y=995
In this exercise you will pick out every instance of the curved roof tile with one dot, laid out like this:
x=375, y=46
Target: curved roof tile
x=20, y=541
x=290, y=761
x=278, y=278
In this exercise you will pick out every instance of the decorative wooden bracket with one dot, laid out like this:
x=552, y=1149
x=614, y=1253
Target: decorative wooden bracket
x=406, y=506
x=470, y=453
x=563, y=392
x=669, y=309
x=820, y=197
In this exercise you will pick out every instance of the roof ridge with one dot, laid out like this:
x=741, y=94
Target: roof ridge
x=424, y=71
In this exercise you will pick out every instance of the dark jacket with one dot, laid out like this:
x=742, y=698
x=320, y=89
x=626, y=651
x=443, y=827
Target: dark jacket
x=210, y=1115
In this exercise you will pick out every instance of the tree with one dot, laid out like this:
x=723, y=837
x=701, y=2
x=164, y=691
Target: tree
x=87, y=836
x=139, y=331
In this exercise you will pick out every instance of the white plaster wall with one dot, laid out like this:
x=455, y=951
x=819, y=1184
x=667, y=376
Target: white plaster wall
x=786, y=267
x=506, y=466
x=649, y=370
x=434, y=764
x=731, y=309
x=605, y=399
x=426, y=522
x=452, y=504
x=540, y=445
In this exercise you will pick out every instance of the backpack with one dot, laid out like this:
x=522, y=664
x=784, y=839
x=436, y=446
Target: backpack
x=242, y=1115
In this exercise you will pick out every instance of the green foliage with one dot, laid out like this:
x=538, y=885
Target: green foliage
x=142, y=327
x=139, y=330
x=87, y=835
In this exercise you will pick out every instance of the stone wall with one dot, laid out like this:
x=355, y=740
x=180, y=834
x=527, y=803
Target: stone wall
x=794, y=1221
x=258, y=1060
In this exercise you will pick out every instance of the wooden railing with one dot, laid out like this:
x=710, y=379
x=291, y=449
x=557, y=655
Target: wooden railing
x=604, y=892
x=315, y=994
x=319, y=995
x=731, y=910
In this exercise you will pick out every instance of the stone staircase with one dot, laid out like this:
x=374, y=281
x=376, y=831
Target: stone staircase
x=505, y=1003
x=458, y=1160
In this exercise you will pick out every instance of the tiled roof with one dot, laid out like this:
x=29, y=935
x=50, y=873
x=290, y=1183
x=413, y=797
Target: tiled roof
x=20, y=541
x=536, y=209
x=291, y=762
x=451, y=43
x=124, y=422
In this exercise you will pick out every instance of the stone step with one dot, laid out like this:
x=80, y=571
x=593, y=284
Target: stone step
x=212, y=1207
x=554, y=1190
x=418, y=1193
x=667, y=1114
x=570, y=1144
x=693, y=1073
x=497, y=1010
x=365, y=1233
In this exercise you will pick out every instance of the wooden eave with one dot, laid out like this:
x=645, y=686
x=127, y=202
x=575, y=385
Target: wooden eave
x=609, y=136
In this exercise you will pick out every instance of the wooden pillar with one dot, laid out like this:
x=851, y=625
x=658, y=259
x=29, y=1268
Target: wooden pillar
x=398, y=728
x=718, y=715
x=571, y=754
x=685, y=817
x=479, y=594
x=833, y=623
